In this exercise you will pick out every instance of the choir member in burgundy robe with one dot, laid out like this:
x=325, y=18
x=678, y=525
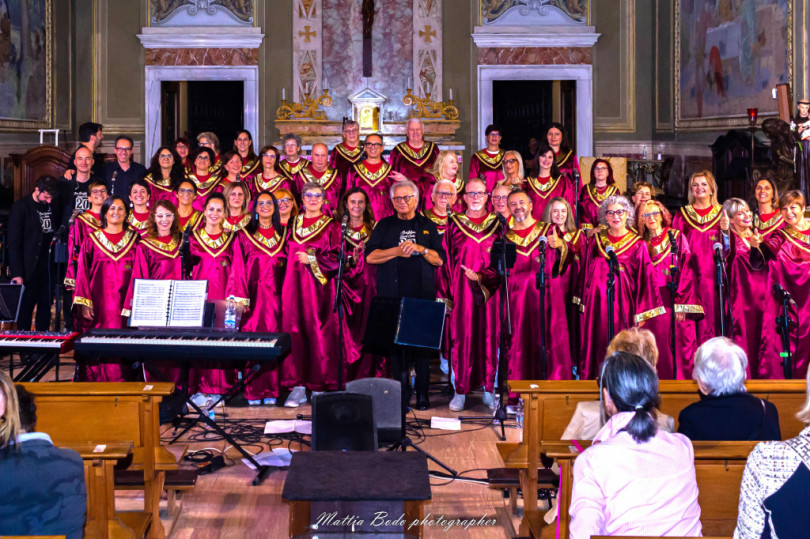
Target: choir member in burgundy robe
x=292, y=163
x=318, y=171
x=165, y=174
x=548, y=184
x=259, y=264
x=654, y=227
x=700, y=223
x=474, y=319
x=157, y=256
x=359, y=287
x=83, y=225
x=243, y=145
x=209, y=140
x=514, y=176
x=566, y=157
x=347, y=153
x=182, y=147
x=267, y=176
x=231, y=171
x=641, y=193
x=185, y=196
x=212, y=258
x=787, y=251
x=308, y=297
x=637, y=297
x=563, y=285
x=767, y=218
x=499, y=198
x=204, y=180
x=524, y=356
x=595, y=193
x=747, y=287
x=375, y=177
x=287, y=208
x=236, y=215
x=139, y=196
x=487, y=164
x=414, y=157
x=106, y=260
x=446, y=167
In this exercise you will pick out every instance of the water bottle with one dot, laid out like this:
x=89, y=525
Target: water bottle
x=519, y=419
x=212, y=415
x=230, y=314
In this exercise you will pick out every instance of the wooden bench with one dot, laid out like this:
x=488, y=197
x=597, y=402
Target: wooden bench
x=176, y=483
x=105, y=413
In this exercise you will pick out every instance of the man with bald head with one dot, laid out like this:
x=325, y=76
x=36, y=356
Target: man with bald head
x=413, y=158
x=319, y=171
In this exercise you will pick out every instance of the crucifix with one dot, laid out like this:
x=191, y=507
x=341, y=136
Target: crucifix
x=368, y=23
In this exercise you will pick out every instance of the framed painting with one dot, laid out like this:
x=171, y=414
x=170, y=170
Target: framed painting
x=26, y=52
x=729, y=56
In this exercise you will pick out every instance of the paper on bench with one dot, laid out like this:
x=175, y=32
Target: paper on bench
x=284, y=426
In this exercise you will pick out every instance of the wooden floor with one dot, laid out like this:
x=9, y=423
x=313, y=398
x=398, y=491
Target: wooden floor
x=225, y=504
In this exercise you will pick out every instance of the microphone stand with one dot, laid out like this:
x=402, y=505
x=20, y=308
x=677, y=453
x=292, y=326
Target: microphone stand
x=783, y=321
x=541, y=286
x=576, y=198
x=611, y=297
x=672, y=285
x=718, y=262
x=506, y=332
x=338, y=306
x=60, y=258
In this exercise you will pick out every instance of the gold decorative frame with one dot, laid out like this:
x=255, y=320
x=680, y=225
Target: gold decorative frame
x=33, y=125
x=740, y=120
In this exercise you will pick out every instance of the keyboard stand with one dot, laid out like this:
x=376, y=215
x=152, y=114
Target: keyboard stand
x=37, y=368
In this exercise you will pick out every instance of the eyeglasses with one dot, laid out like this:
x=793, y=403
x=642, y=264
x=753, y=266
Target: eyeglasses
x=122, y=149
x=284, y=201
x=600, y=168
x=617, y=213
x=651, y=214
x=165, y=156
x=499, y=199
x=261, y=203
x=510, y=161
x=352, y=130
x=164, y=216
x=207, y=144
x=406, y=199
x=494, y=134
x=203, y=158
x=373, y=144
x=476, y=194
x=98, y=192
x=291, y=145
x=269, y=154
x=185, y=191
x=444, y=194
x=313, y=195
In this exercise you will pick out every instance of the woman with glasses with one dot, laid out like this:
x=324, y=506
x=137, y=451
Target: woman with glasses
x=308, y=297
x=767, y=217
x=564, y=155
x=594, y=194
x=487, y=164
x=259, y=264
x=292, y=163
x=287, y=207
x=513, y=172
x=654, y=227
x=139, y=195
x=446, y=167
x=700, y=223
x=182, y=147
x=236, y=215
x=243, y=146
x=267, y=177
x=549, y=183
x=636, y=296
x=85, y=224
x=204, y=180
x=103, y=275
x=165, y=173
x=187, y=215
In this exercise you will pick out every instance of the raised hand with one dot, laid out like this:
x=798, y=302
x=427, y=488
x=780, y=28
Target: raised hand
x=725, y=222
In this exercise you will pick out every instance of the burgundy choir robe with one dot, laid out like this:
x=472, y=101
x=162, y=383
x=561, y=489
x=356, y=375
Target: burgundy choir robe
x=85, y=224
x=474, y=319
x=160, y=190
x=249, y=167
x=524, y=298
x=487, y=167
x=138, y=222
x=442, y=290
x=205, y=186
x=342, y=158
x=702, y=233
x=788, y=253
x=155, y=259
x=747, y=290
x=566, y=283
x=257, y=184
x=767, y=224
x=589, y=201
x=259, y=264
x=415, y=164
x=212, y=259
x=291, y=171
x=193, y=219
x=376, y=185
x=540, y=193
x=359, y=288
x=236, y=223
x=308, y=297
x=687, y=301
x=568, y=163
x=426, y=202
x=329, y=180
x=637, y=297
x=102, y=281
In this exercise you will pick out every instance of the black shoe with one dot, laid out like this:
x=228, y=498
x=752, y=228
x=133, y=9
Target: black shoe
x=422, y=402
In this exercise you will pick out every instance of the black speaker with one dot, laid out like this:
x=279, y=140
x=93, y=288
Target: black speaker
x=343, y=421
x=386, y=396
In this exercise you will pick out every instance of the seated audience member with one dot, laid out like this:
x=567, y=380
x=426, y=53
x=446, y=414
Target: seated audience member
x=775, y=486
x=635, y=479
x=44, y=490
x=588, y=419
x=726, y=411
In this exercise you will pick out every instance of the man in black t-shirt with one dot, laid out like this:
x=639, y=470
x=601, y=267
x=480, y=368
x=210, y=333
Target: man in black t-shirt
x=406, y=248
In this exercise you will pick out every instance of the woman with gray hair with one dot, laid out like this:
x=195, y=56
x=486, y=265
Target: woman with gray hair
x=636, y=297
x=726, y=411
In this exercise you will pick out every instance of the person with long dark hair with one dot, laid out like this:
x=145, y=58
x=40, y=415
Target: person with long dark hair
x=187, y=214
x=549, y=183
x=182, y=147
x=635, y=479
x=266, y=176
x=243, y=146
x=593, y=194
x=564, y=154
x=204, y=179
x=165, y=174
x=767, y=216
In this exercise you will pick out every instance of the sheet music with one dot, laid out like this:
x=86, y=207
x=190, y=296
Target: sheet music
x=149, y=303
x=188, y=304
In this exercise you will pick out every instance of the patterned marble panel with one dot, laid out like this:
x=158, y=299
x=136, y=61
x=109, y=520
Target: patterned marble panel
x=392, y=54
x=342, y=53
x=307, y=47
x=427, y=48
x=202, y=57
x=534, y=56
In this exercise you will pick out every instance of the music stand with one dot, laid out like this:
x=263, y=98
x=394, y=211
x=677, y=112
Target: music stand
x=397, y=325
x=10, y=300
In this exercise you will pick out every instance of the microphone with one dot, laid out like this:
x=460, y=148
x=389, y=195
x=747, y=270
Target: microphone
x=576, y=177
x=543, y=243
x=672, y=244
x=611, y=252
x=718, y=249
x=112, y=180
x=76, y=213
x=784, y=294
x=344, y=222
x=501, y=219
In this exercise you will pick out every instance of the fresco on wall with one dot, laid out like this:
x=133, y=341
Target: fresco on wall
x=25, y=40
x=729, y=55
x=492, y=9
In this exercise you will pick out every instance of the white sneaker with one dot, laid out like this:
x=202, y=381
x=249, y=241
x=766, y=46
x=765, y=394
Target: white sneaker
x=444, y=365
x=457, y=403
x=270, y=401
x=491, y=400
x=200, y=399
x=254, y=402
x=297, y=397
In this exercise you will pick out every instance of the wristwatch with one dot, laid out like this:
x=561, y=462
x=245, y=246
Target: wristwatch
x=425, y=253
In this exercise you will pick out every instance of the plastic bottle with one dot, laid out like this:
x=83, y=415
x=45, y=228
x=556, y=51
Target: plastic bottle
x=230, y=313
x=519, y=419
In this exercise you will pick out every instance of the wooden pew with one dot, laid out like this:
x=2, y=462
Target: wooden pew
x=718, y=467
x=106, y=413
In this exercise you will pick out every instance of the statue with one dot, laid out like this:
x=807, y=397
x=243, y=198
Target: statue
x=782, y=157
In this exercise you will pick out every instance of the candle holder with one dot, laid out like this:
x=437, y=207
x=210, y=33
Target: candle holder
x=752, y=117
x=427, y=108
x=308, y=109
